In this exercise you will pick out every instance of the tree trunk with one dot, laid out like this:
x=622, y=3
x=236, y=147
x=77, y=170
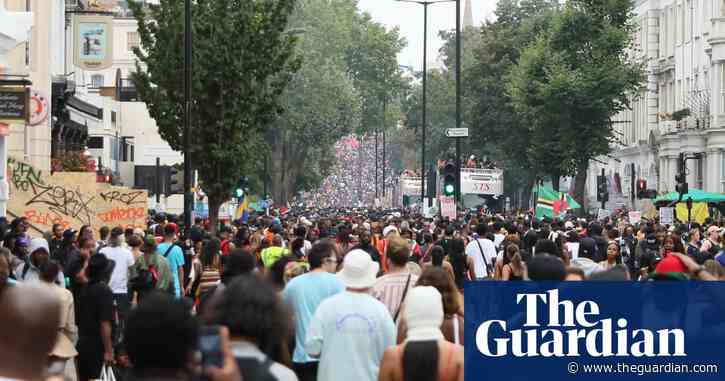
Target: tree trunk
x=275, y=168
x=580, y=185
x=526, y=194
x=215, y=203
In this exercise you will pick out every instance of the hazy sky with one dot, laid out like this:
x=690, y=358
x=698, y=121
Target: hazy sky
x=409, y=18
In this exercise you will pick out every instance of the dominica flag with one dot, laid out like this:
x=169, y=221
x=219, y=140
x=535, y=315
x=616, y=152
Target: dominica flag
x=552, y=204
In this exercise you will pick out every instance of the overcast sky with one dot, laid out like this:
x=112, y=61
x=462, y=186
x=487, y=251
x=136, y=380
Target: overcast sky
x=409, y=17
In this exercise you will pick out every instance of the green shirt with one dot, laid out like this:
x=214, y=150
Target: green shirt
x=162, y=267
x=272, y=254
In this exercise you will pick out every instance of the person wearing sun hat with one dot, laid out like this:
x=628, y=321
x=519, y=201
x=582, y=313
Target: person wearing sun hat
x=350, y=331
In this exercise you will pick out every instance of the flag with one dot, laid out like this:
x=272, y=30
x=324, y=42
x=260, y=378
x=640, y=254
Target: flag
x=553, y=204
x=699, y=212
x=242, y=208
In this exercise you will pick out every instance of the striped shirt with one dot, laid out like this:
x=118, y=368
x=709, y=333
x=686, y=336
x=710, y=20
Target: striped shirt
x=209, y=279
x=389, y=289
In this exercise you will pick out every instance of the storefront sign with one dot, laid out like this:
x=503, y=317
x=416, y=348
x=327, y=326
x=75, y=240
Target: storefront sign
x=14, y=104
x=93, y=42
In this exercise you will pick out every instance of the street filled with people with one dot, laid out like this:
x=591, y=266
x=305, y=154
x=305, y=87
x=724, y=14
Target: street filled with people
x=314, y=294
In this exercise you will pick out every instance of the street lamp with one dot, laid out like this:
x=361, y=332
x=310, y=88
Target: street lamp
x=425, y=4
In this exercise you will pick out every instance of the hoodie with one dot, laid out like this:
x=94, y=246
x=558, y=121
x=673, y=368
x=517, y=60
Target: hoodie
x=587, y=265
x=33, y=273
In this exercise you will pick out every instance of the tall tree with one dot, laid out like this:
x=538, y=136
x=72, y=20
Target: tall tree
x=242, y=61
x=494, y=122
x=338, y=91
x=573, y=80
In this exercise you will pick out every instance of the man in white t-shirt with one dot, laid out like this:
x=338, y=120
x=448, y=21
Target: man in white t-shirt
x=483, y=252
x=119, y=277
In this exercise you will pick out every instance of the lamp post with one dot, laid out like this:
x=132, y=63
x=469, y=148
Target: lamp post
x=425, y=5
x=188, y=196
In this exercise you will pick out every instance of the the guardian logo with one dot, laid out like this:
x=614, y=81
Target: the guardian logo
x=580, y=330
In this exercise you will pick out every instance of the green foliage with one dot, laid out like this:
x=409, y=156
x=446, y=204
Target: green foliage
x=242, y=61
x=572, y=80
x=349, y=68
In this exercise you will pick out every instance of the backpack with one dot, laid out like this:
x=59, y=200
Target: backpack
x=253, y=369
x=145, y=280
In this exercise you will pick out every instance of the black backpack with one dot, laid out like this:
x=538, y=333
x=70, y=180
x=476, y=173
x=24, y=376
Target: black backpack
x=254, y=370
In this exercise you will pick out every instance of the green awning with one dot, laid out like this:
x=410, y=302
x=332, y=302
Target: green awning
x=696, y=194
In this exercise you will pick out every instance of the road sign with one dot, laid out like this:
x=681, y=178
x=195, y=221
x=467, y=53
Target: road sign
x=457, y=132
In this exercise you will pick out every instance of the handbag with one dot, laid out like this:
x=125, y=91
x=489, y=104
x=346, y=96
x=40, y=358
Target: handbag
x=489, y=268
x=107, y=373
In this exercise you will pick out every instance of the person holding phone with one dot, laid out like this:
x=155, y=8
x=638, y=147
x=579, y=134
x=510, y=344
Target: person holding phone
x=257, y=322
x=162, y=339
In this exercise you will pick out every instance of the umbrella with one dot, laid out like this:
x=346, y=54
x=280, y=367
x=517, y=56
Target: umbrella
x=696, y=194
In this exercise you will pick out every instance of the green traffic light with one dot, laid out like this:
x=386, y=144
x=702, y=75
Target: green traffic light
x=239, y=192
x=448, y=189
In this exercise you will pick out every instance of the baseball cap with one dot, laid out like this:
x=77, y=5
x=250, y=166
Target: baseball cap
x=69, y=233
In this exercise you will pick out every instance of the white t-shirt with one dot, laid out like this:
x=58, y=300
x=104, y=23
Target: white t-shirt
x=489, y=251
x=573, y=248
x=124, y=260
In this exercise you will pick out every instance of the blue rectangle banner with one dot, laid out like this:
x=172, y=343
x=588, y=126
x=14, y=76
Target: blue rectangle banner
x=615, y=331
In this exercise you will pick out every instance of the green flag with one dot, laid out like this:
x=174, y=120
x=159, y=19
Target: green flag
x=552, y=204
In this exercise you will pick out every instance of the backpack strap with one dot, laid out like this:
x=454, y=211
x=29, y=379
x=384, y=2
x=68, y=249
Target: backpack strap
x=166, y=254
x=402, y=299
x=26, y=267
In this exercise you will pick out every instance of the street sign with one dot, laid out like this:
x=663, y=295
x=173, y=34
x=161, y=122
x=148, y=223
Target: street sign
x=457, y=132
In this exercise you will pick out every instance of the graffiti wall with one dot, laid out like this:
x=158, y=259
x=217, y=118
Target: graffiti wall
x=72, y=199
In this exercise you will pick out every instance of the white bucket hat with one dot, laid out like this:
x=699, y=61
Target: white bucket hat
x=389, y=229
x=358, y=270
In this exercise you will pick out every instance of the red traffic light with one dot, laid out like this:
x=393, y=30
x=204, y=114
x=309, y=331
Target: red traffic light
x=641, y=185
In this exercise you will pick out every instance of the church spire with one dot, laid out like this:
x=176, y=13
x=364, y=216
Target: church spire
x=468, y=15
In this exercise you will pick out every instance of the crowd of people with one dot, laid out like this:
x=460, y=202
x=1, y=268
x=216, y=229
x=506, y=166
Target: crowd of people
x=352, y=178
x=323, y=294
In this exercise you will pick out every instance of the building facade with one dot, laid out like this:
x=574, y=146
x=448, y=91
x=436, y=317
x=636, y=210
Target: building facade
x=681, y=109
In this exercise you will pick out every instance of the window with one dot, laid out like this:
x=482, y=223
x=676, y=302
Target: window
x=114, y=148
x=95, y=142
x=722, y=87
x=681, y=24
x=132, y=41
x=113, y=117
x=722, y=172
x=96, y=81
x=688, y=25
x=698, y=175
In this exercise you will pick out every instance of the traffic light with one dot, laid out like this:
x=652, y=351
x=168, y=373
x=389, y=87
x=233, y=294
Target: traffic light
x=602, y=192
x=641, y=188
x=176, y=184
x=449, y=179
x=681, y=177
x=241, y=188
